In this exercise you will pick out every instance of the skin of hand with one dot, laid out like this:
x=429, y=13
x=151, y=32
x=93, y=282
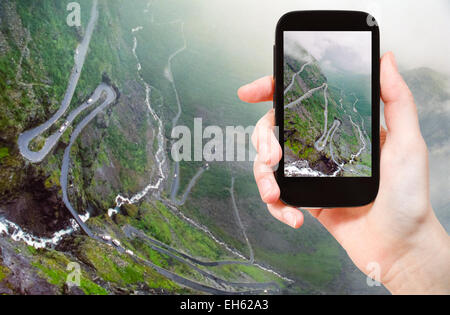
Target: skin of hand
x=398, y=231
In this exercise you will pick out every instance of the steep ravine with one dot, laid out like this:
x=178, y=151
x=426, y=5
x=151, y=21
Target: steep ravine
x=48, y=264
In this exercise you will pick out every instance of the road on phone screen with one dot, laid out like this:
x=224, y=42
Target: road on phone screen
x=301, y=168
x=293, y=77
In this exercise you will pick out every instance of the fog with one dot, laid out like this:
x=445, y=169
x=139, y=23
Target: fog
x=347, y=51
x=415, y=30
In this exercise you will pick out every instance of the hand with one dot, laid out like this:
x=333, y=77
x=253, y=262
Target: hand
x=399, y=230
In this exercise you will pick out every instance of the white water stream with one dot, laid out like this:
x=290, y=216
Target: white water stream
x=160, y=156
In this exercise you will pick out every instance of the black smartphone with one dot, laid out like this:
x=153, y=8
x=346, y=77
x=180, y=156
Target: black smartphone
x=327, y=108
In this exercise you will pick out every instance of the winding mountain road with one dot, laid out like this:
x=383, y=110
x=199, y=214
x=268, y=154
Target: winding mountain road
x=108, y=94
x=195, y=285
x=294, y=75
x=297, y=168
x=203, y=228
x=354, y=104
x=305, y=96
x=131, y=231
x=241, y=225
x=339, y=165
x=171, y=78
x=159, y=246
x=192, y=262
x=110, y=98
x=169, y=75
x=322, y=142
x=176, y=177
x=361, y=136
x=191, y=185
x=26, y=137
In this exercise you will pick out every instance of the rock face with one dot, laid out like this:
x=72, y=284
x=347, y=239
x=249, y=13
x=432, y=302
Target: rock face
x=11, y=20
x=72, y=290
x=19, y=276
x=37, y=209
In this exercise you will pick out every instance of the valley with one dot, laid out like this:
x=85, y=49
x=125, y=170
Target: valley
x=109, y=96
x=313, y=146
x=86, y=175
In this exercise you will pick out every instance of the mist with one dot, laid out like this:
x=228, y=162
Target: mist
x=417, y=32
x=336, y=51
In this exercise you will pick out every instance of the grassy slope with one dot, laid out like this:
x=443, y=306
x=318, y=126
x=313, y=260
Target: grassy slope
x=118, y=270
x=307, y=123
x=212, y=70
x=50, y=61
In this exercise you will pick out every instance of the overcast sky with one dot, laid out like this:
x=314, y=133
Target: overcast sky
x=348, y=51
x=417, y=31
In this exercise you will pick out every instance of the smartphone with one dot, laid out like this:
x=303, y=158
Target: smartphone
x=327, y=108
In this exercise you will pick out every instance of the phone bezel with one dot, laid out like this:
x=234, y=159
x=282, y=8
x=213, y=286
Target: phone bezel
x=323, y=192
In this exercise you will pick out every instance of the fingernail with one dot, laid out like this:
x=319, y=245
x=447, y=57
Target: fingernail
x=244, y=87
x=265, y=187
x=290, y=219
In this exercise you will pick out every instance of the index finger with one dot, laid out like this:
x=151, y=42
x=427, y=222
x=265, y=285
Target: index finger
x=260, y=90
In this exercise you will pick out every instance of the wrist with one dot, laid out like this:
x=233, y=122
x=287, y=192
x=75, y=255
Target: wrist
x=425, y=267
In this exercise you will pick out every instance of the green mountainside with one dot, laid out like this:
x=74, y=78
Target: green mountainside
x=348, y=103
x=115, y=154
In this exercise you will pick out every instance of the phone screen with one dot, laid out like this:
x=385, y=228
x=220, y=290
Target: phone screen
x=327, y=103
